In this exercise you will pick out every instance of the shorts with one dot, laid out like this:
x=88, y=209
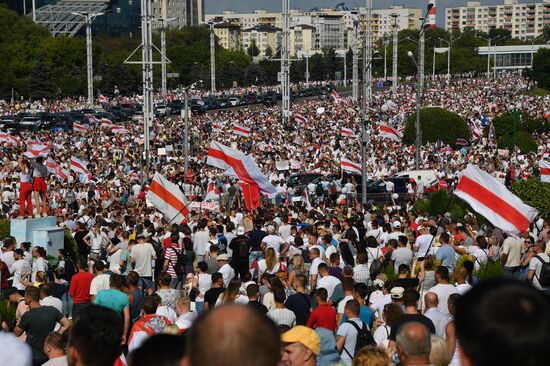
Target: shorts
x=39, y=184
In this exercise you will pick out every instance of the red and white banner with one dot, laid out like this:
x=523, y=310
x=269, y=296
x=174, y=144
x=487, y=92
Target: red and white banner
x=79, y=127
x=204, y=206
x=212, y=193
x=91, y=119
x=216, y=127
x=106, y=123
x=544, y=167
x=300, y=118
x=387, y=132
x=37, y=150
x=348, y=132
x=119, y=130
x=51, y=165
x=490, y=198
x=5, y=137
x=102, y=99
x=236, y=164
x=251, y=195
x=350, y=166
x=168, y=199
x=79, y=166
x=241, y=131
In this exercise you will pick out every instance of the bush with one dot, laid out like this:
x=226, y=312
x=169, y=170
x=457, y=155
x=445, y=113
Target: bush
x=524, y=142
x=7, y=311
x=4, y=229
x=537, y=125
x=534, y=193
x=70, y=244
x=437, y=125
x=540, y=72
x=504, y=124
x=489, y=270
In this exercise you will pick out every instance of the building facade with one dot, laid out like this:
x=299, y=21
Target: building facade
x=525, y=21
x=229, y=35
x=264, y=36
x=171, y=10
x=194, y=12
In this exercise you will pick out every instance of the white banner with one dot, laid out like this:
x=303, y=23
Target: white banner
x=201, y=206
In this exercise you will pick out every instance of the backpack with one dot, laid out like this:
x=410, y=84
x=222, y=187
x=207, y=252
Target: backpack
x=376, y=265
x=364, y=338
x=544, y=278
x=179, y=266
x=319, y=189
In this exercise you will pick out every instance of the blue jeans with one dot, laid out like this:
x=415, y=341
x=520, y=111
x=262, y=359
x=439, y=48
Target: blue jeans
x=146, y=283
x=255, y=256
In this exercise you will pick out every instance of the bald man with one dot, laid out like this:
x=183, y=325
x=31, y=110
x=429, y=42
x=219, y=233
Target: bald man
x=460, y=278
x=413, y=344
x=236, y=334
x=437, y=317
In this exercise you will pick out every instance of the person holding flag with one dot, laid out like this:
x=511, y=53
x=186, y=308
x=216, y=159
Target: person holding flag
x=39, y=175
x=25, y=189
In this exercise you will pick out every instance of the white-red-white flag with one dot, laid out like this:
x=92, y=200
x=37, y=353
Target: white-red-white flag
x=62, y=174
x=348, y=132
x=51, y=165
x=37, y=150
x=79, y=166
x=102, y=99
x=490, y=198
x=216, y=127
x=92, y=119
x=350, y=166
x=119, y=130
x=168, y=199
x=236, y=164
x=544, y=167
x=106, y=123
x=300, y=118
x=241, y=130
x=388, y=132
x=5, y=137
x=80, y=127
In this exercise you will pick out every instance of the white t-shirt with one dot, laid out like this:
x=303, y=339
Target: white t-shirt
x=443, y=291
x=536, y=265
x=143, y=255
x=19, y=268
x=200, y=242
x=512, y=247
x=228, y=273
x=273, y=241
x=423, y=244
x=100, y=282
x=53, y=302
x=349, y=331
x=342, y=304
x=331, y=249
x=329, y=283
x=314, y=269
x=240, y=299
x=9, y=259
x=114, y=262
x=463, y=288
x=205, y=282
x=38, y=265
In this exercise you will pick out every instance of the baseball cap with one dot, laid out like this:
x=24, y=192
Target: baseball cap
x=397, y=293
x=396, y=224
x=305, y=336
x=240, y=230
x=222, y=257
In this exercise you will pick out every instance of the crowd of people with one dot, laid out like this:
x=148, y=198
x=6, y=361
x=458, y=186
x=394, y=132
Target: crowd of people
x=291, y=283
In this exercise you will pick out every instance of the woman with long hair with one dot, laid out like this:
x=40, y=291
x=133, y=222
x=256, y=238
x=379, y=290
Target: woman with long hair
x=297, y=267
x=269, y=264
x=25, y=190
x=232, y=294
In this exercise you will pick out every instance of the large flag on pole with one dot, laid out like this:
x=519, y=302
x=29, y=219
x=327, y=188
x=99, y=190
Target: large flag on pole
x=251, y=195
x=544, y=167
x=388, y=132
x=168, y=199
x=490, y=198
x=350, y=166
x=236, y=164
x=241, y=130
x=79, y=166
x=37, y=150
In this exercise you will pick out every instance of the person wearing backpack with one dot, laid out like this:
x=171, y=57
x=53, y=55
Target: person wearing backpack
x=174, y=265
x=352, y=335
x=539, y=267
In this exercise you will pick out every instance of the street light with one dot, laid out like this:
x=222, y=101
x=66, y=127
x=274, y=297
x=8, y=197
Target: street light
x=185, y=113
x=514, y=110
x=89, y=65
x=394, y=56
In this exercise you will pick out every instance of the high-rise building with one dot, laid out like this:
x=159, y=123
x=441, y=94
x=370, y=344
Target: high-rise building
x=264, y=36
x=525, y=21
x=229, y=35
x=171, y=10
x=194, y=12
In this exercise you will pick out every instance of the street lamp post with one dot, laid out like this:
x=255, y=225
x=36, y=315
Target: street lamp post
x=185, y=115
x=89, y=18
x=212, y=60
x=394, y=56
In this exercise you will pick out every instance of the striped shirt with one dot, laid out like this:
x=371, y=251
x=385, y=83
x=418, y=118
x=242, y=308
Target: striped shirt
x=172, y=258
x=361, y=274
x=282, y=317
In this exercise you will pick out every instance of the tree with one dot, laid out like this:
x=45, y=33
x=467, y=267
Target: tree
x=437, y=124
x=253, y=50
x=254, y=75
x=546, y=33
x=268, y=51
x=500, y=32
x=523, y=141
x=541, y=68
x=535, y=193
x=41, y=83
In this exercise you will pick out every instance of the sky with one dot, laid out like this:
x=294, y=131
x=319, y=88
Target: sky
x=217, y=6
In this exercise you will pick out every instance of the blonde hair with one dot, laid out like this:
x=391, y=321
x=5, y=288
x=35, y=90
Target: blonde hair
x=298, y=262
x=183, y=302
x=440, y=354
x=270, y=259
x=171, y=329
x=371, y=356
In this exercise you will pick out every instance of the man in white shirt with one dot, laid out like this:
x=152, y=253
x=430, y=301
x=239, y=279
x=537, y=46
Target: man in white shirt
x=535, y=265
x=439, y=319
x=346, y=335
x=401, y=255
x=423, y=242
x=510, y=256
x=8, y=256
x=200, y=241
x=443, y=289
x=225, y=269
x=314, y=255
x=274, y=241
x=396, y=231
x=327, y=281
x=54, y=348
x=142, y=255
x=100, y=281
x=46, y=298
x=19, y=269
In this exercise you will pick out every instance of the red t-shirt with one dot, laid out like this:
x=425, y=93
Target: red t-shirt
x=80, y=287
x=324, y=316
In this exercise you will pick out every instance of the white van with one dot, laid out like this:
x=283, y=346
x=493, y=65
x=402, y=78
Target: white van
x=429, y=177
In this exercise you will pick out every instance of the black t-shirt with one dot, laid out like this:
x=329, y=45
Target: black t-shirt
x=240, y=245
x=57, y=290
x=82, y=246
x=406, y=283
x=300, y=305
x=38, y=323
x=211, y=296
x=256, y=237
x=258, y=306
x=419, y=318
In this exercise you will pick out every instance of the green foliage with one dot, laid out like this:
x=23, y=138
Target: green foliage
x=441, y=202
x=535, y=193
x=437, y=125
x=389, y=271
x=490, y=270
x=500, y=32
x=253, y=50
x=70, y=244
x=540, y=71
x=504, y=124
x=7, y=311
x=4, y=229
x=535, y=125
x=524, y=142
